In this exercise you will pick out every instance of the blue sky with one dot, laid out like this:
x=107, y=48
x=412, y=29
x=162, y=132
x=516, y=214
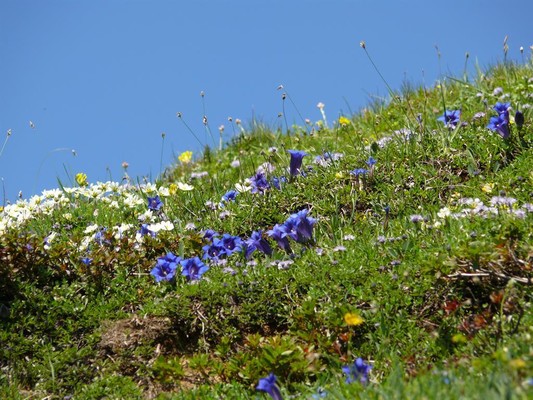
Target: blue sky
x=106, y=77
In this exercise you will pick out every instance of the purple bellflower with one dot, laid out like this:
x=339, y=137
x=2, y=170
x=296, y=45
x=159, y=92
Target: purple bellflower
x=268, y=385
x=232, y=244
x=450, y=118
x=296, y=161
x=215, y=250
x=87, y=260
x=276, y=182
x=165, y=268
x=300, y=227
x=502, y=108
x=229, y=196
x=193, y=268
x=359, y=171
x=499, y=124
x=257, y=242
x=143, y=231
x=210, y=234
x=279, y=234
x=154, y=203
x=357, y=372
x=259, y=183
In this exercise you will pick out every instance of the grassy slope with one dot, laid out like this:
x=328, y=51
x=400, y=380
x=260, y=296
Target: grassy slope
x=108, y=330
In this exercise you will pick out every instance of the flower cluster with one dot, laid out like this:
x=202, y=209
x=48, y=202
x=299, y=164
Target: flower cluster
x=358, y=371
x=165, y=268
x=470, y=207
x=298, y=227
x=500, y=123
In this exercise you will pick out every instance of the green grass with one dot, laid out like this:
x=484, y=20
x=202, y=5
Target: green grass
x=424, y=248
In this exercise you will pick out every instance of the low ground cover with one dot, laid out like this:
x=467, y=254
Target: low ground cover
x=386, y=255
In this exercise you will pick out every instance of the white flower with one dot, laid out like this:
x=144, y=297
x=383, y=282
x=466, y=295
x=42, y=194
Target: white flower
x=90, y=229
x=132, y=200
x=150, y=188
x=184, y=186
x=163, y=191
x=444, y=212
x=235, y=164
x=146, y=216
x=246, y=186
x=161, y=226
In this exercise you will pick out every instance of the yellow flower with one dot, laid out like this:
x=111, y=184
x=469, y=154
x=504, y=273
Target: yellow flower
x=487, y=187
x=81, y=179
x=343, y=121
x=517, y=363
x=339, y=175
x=353, y=319
x=172, y=188
x=185, y=157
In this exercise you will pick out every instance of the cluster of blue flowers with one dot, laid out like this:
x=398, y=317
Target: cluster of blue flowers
x=500, y=123
x=165, y=268
x=298, y=227
x=358, y=372
x=260, y=183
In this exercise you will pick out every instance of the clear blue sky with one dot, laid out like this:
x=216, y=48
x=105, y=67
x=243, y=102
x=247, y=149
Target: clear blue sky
x=106, y=77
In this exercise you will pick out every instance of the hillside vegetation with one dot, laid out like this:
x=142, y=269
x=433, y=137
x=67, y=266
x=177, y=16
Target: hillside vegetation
x=386, y=254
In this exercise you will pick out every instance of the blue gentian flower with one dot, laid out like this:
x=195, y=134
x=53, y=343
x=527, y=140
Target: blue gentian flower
x=499, y=124
x=165, y=268
x=502, y=108
x=210, y=234
x=299, y=226
x=450, y=118
x=229, y=196
x=155, y=203
x=215, y=250
x=296, y=161
x=268, y=385
x=357, y=372
x=99, y=237
x=371, y=161
x=257, y=242
x=193, y=268
x=279, y=234
x=145, y=231
x=276, y=182
x=231, y=243
x=359, y=171
x=259, y=183
x=87, y=260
